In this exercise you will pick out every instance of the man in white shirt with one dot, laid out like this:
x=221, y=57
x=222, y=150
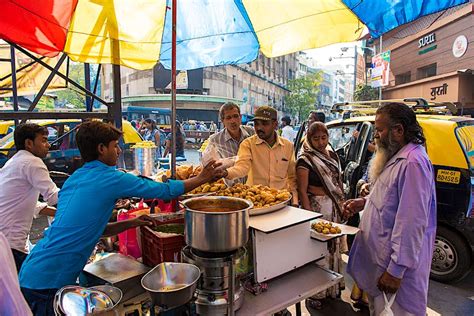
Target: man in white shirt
x=23, y=178
x=287, y=131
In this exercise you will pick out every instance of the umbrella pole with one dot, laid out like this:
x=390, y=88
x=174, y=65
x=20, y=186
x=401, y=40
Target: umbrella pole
x=173, y=92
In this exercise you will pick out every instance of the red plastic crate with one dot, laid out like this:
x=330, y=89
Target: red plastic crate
x=156, y=249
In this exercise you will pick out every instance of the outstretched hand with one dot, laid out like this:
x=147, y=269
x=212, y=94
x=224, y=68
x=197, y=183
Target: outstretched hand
x=211, y=171
x=351, y=207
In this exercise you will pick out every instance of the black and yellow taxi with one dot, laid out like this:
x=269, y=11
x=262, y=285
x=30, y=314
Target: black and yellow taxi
x=63, y=157
x=450, y=146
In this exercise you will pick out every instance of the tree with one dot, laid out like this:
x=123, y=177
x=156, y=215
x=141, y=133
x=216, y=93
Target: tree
x=365, y=93
x=303, y=92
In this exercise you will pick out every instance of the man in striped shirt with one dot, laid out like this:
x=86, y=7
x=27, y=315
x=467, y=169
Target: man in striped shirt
x=228, y=140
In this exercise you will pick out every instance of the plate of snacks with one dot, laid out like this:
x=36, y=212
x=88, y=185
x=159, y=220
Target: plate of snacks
x=264, y=199
x=325, y=230
x=206, y=189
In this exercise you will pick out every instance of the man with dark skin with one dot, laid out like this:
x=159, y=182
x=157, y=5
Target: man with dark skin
x=392, y=251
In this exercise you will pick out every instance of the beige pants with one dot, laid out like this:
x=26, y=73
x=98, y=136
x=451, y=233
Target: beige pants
x=377, y=304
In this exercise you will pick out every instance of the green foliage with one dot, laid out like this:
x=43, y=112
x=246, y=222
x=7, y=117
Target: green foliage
x=70, y=96
x=303, y=94
x=365, y=93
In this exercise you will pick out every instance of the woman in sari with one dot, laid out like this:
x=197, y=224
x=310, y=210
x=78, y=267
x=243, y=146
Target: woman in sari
x=318, y=171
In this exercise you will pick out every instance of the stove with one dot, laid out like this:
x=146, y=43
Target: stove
x=218, y=282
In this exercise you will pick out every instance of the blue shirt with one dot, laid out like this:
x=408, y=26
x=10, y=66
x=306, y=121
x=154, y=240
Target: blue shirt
x=84, y=208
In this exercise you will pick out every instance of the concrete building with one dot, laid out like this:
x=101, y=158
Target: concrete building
x=433, y=58
x=339, y=89
x=201, y=92
x=326, y=90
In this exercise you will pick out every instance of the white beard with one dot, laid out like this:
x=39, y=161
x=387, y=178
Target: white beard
x=382, y=154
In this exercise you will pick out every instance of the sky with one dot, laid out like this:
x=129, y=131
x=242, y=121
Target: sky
x=322, y=55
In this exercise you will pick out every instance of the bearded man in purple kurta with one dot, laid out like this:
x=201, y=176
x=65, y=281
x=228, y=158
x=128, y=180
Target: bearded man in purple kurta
x=392, y=252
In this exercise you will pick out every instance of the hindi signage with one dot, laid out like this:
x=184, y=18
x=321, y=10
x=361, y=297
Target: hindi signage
x=439, y=90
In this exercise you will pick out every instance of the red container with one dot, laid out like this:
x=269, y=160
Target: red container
x=156, y=249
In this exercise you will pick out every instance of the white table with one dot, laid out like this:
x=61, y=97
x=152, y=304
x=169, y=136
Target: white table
x=289, y=289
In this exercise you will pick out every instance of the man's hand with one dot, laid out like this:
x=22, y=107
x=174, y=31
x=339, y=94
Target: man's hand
x=211, y=172
x=388, y=283
x=351, y=207
x=365, y=189
x=146, y=220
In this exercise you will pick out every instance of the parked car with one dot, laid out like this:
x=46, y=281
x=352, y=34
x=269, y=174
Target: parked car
x=450, y=146
x=64, y=157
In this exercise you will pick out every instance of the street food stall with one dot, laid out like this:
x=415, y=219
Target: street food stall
x=236, y=237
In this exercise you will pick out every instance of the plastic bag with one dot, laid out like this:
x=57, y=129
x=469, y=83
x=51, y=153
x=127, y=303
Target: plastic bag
x=387, y=311
x=129, y=240
x=210, y=153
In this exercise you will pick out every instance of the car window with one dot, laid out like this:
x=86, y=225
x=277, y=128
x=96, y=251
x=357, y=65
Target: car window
x=340, y=135
x=56, y=136
x=466, y=138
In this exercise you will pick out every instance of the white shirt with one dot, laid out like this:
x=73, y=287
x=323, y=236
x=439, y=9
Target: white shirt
x=23, y=178
x=288, y=133
x=12, y=301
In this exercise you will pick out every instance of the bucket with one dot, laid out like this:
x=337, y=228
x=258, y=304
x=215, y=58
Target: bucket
x=144, y=160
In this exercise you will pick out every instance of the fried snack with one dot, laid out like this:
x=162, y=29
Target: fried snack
x=326, y=228
x=185, y=172
x=209, y=187
x=260, y=195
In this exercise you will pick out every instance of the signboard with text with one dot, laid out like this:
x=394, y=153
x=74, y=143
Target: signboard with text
x=380, y=70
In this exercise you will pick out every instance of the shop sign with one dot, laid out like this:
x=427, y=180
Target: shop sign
x=439, y=90
x=427, y=40
x=380, y=73
x=460, y=46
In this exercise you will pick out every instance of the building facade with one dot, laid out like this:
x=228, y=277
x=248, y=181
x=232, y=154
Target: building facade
x=201, y=92
x=433, y=58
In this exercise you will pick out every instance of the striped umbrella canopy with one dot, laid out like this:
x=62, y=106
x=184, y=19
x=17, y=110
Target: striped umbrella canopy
x=137, y=33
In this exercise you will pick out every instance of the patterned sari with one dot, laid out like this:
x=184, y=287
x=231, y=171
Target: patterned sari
x=328, y=170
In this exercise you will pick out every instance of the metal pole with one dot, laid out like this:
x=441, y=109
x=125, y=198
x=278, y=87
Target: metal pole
x=14, y=87
x=380, y=88
x=87, y=81
x=355, y=72
x=173, y=88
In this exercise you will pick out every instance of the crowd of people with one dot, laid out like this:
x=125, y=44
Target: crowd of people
x=391, y=255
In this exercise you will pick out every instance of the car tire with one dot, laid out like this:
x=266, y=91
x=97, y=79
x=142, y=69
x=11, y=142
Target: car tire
x=451, y=257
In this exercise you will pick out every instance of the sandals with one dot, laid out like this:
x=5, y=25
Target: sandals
x=316, y=304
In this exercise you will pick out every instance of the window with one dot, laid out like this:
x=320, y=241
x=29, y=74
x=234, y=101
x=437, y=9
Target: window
x=427, y=71
x=339, y=136
x=403, y=78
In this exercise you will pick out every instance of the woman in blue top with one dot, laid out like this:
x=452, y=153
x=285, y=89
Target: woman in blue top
x=152, y=133
x=84, y=207
x=180, y=139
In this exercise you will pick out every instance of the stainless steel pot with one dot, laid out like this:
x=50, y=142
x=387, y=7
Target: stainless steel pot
x=217, y=224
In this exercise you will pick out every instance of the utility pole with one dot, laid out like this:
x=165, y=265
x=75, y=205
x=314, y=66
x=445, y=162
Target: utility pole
x=380, y=88
x=355, y=72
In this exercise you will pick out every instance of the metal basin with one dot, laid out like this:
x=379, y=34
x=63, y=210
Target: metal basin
x=76, y=300
x=171, y=284
x=216, y=223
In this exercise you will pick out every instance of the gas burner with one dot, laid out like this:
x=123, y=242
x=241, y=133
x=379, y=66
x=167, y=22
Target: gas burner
x=211, y=255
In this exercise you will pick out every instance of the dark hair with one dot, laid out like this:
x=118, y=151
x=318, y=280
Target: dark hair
x=399, y=113
x=320, y=115
x=286, y=119
x=316, y=127
x=27, y=131
x=91, y=134
x=152, y=122
x=226, y=107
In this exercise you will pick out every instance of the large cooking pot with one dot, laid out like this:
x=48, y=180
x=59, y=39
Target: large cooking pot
x=217, y=223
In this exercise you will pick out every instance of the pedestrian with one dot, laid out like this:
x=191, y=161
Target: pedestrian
x=24, y=177
x=318, y=173
x=287, y=131
x=392, y=252
x=180, y=140
x=152, y=133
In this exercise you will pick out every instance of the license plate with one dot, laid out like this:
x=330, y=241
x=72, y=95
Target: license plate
x=448, y=176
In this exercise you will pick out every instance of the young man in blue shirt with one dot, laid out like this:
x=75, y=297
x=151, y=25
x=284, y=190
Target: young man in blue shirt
x=85, y=205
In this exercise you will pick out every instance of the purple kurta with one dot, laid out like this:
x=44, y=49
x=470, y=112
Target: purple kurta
x=398, y=229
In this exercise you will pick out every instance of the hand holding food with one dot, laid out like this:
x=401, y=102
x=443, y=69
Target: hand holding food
x=326, y=228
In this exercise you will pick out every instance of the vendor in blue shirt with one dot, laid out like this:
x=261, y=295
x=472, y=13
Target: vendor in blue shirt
x=84, y=207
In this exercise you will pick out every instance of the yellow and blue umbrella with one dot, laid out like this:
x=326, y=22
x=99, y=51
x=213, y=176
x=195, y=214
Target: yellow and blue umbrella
x=137, y=33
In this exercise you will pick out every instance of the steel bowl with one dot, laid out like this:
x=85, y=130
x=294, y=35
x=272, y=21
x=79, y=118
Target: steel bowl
x=171, y=284
x=77, y=300
x=217, y=223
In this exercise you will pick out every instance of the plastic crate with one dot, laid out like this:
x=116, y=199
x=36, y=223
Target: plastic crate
x=157, y=249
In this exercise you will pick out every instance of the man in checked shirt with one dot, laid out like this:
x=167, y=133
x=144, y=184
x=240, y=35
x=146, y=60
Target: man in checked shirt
x=228, y=140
